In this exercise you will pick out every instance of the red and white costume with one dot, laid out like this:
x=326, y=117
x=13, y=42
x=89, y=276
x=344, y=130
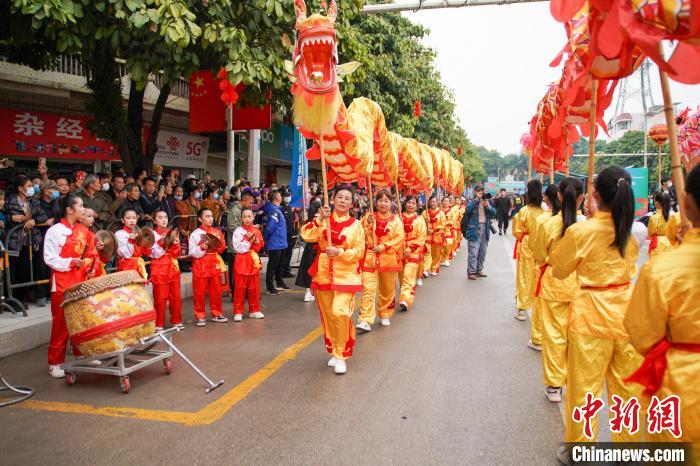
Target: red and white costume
x=207, y=267
x=98, y=268
x=246, y=269
x=130, y=255
x=64, y=242
x=165, y=277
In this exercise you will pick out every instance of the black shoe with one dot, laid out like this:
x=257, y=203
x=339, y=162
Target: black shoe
x=273, y=292
x=403, y=307
x=282, y=286
x=500, y=232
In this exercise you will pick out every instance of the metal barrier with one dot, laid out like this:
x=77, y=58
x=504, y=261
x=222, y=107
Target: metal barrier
x=8, y=303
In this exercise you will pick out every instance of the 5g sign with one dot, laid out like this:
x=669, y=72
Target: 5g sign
x=195, y=148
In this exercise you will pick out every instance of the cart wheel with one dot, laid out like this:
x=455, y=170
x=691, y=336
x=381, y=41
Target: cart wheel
x=168, y=366
x=70, y=378
x=125, y=384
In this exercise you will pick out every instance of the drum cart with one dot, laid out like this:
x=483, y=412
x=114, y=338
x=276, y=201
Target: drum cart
x=131, y=359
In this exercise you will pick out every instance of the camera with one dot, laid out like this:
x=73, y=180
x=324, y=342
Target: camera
x=487, y=196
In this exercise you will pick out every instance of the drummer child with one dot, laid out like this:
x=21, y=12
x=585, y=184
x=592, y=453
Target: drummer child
x=165, y=273
x=247, y=242
x=207, y=268
x=130, y=254
x=98, y=269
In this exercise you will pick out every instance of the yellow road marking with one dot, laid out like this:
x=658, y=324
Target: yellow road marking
x=205, y=416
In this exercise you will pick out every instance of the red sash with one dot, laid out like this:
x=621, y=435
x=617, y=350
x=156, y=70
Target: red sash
x=518, y=242
x=651, y=373
x=603, y=288
x=653, y=244
x=543, y=269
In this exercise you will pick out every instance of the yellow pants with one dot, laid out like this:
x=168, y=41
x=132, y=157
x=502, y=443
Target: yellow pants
x=554, y=316
x=407, y=278
x=536, y=322
x=336, y=308
x=447, y=249
x=383, y=285
x=427, y=261
x=524, y=282
x=590, y=361
x=436, y=255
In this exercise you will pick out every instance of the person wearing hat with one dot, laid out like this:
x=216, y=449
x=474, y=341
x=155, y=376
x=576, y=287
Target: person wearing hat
x=475, y=228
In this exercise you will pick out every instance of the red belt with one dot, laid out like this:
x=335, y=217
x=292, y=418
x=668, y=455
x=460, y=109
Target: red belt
x=603, y=288
x=653, y=244
x=651, y=373
x=543, y=268
x=518, y=241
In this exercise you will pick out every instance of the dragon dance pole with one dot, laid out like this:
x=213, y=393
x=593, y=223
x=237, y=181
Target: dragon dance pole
x=398, y=198
x=658, y=169
x=551, y=170
x=529, y=167
x=326, y=203
x=371, y=207
x=591, y=137
x=676, y=170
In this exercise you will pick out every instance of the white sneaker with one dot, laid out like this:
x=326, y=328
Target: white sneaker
x=385, y=322
x=363, y=326
x=520, y=315
x=219, y=319
x=332, y=362
x=553, y=394
x=433, y=274
x=309, y=296
x=179, y=327
x=340, y=367
x=426, y=274
x=56, y=372
x=534, y=346
x=445, y=264
x=238, y=317
x=403, y=306
x=257, y=315
x=419, y=282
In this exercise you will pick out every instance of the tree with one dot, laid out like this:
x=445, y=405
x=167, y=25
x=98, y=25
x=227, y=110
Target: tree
x=249, y=38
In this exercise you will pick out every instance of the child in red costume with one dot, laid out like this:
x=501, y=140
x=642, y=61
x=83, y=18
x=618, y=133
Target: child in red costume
x=207, y=267
x=130, y=254
x=165, y=273
x=97, y=268
x=68, y=252
x=247, y=242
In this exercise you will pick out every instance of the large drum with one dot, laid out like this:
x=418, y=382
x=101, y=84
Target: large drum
x=108, y=313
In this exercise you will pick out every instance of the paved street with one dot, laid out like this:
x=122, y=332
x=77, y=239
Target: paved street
x=450, y=382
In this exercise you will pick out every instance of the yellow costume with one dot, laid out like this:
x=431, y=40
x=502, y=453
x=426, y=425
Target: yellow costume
x=664, y=309
x=536, y=323
x=657, y=234
x=435, y=220
x=415, y=233
x=448, y=244
x=525, y=271
x=599, y=347
x=555, y=299
x=674, y=223
x=379, y=269
x=337, y=279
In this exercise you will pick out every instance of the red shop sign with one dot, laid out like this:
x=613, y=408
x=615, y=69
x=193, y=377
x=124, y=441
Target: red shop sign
x=26, y=133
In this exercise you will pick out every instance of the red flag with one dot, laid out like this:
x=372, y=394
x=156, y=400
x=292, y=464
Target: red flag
x=208, y=111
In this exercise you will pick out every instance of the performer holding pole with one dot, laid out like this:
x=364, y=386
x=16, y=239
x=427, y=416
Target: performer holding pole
x=415, y=232
x=66, y=247
x=449, y=232
x=663, y=321
x=435, y=220
x=384, y=238
x=603, y=254
x=341, y=239
x=523, y=224
x=591, y=145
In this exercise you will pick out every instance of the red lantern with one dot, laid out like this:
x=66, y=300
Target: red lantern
x=459, y=150
x=658, y=134
x=416, y=109
x=228, y=90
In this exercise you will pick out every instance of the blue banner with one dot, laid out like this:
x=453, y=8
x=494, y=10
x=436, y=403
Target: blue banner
x=300, y=171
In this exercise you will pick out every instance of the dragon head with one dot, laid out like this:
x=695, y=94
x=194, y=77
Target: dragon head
x=314, y=69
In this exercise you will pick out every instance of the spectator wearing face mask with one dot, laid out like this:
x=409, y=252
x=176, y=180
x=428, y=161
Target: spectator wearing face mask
x=211, y=202
x=291, y=234
x=44, y=212
x=94, y=198
x=187, y=208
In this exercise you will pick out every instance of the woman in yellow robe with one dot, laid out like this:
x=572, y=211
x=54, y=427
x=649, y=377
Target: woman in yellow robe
x=555, y=296
x=658, y=224
x=603, y=254
x=435, y=220
x=551, y=198
x=383, y=259
x=335, y=273
x=414, y=241
x=674, y=223
x=449, y=234
x=663, y=321
x=523, y=224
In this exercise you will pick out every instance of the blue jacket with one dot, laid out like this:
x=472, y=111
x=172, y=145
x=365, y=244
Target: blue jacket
x=470, y=221
x=275, y=234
